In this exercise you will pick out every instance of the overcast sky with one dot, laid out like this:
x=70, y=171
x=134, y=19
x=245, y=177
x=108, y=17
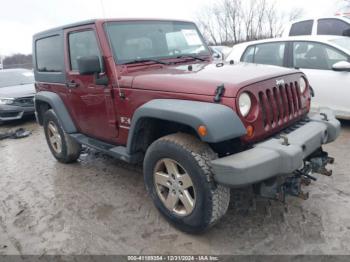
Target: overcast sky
x=20, y=19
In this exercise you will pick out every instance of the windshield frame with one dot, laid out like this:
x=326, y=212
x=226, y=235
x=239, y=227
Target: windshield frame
x=19, y=83
x=205, y=53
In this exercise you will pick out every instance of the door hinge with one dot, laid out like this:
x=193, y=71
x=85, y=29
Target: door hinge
x=122, y=95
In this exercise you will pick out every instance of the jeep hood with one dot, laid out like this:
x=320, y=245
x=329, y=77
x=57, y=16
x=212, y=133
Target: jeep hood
x=203, y=79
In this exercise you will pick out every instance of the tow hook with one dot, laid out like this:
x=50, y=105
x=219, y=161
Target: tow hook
x=285, y=140
x=318, y=162
x=292, y=187
x=279, y=188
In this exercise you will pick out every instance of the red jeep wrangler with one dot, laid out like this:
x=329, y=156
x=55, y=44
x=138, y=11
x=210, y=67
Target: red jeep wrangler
x=148, y=90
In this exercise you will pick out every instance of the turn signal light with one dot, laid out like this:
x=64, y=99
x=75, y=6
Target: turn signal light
x=250, y=131
x=202, y=130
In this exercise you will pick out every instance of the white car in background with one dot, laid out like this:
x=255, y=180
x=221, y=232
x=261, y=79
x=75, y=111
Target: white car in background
x=335, y=25
x=324, y=59
x=220, y=52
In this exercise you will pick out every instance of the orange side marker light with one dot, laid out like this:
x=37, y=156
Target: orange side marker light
x=202, y=130
x=250, y=131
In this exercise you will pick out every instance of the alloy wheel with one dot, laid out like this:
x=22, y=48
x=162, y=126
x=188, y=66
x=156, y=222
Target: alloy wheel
x=54, y=137
x=174, y=187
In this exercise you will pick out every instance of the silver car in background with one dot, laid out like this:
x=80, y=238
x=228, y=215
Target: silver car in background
x=16, y=94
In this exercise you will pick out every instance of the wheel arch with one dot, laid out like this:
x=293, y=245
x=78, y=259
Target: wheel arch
x=222, y=122
x=45, y=100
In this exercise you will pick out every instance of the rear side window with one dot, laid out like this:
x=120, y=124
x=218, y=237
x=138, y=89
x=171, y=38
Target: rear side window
x=49, y=54
x=268, y=54
x=82, y=44
x=301, y=28
x=332, y=27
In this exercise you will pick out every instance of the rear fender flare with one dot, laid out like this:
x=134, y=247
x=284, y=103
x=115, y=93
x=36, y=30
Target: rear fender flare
x=59, y=108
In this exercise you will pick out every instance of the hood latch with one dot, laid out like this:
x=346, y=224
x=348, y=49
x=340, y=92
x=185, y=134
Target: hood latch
x=220, y=90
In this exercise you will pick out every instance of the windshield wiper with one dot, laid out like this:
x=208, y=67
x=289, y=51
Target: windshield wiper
x=192, y=56
x=146, y=60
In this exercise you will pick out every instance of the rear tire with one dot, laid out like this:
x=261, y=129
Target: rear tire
x=205, y=203
x=62, y=146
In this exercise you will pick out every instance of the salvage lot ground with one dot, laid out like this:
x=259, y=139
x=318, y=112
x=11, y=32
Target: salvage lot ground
x=100, y=206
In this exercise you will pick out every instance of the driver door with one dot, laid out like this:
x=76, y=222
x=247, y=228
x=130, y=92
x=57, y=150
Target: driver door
x=92, y=104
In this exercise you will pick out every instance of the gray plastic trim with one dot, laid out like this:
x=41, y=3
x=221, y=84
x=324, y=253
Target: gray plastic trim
x=58, y=106
x=272, y=158
x=221, y=121
x=333, y=125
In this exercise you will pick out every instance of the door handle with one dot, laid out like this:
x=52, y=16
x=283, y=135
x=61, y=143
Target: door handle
x=72, y=84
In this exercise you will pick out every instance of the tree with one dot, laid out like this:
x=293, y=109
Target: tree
x=234, y=21
x=18, y=61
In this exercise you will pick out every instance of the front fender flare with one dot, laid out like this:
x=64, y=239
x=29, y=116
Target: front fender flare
x=221, y=121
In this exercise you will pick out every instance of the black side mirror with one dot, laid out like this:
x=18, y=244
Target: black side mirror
x=89, y=65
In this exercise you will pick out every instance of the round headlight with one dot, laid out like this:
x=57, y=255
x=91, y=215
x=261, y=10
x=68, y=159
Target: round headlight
x=244, y=104
x=302, y=84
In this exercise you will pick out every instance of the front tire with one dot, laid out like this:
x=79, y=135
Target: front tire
x=62, y=146
x=178, y=178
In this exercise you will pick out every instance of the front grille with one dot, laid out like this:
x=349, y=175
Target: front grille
x=24, y=101
x=280, y=104
x=9, y=114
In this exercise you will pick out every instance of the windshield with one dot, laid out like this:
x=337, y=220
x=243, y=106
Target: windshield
x=342, y=42
x=16, y=77
x=141, y=40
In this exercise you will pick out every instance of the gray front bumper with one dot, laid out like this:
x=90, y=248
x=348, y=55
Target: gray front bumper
x=271, y=158
x=10, y=112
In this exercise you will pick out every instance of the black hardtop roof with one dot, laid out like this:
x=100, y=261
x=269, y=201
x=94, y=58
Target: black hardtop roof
x=92, y=21
x=60, y=28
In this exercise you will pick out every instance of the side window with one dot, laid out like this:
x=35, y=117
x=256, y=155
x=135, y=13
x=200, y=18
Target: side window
x=302, y=28
x=82, y=44
x=311, y=55
x=248, y=55
x=332, y=27
x=269, y=54
x=48, y=54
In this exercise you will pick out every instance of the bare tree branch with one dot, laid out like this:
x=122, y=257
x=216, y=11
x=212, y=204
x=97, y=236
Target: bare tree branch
x=232, y=21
